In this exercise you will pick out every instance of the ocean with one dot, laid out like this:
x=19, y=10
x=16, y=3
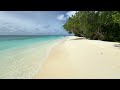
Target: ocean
x=22, y=56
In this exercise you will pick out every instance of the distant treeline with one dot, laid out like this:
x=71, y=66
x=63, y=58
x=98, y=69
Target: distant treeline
x=98, y=25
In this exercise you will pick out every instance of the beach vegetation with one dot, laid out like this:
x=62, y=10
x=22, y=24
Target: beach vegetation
x=96, y=25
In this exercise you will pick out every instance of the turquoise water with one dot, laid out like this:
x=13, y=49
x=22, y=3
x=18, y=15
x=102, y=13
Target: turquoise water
x=23, y=56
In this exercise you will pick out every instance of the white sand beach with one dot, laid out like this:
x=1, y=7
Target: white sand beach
x=79, y=58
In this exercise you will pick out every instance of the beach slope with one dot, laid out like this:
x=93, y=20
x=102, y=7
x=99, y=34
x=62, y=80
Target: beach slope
x=77, y=58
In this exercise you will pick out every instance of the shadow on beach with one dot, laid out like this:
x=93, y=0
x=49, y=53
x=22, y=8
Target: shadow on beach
x=80, y=38
x=117, y=45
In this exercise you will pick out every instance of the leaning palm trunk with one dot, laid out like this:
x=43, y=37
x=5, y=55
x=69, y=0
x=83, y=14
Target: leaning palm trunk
x=99, y=35
x=77, y=32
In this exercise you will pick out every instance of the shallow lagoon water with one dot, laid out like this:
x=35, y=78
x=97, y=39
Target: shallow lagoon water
x=22, y=56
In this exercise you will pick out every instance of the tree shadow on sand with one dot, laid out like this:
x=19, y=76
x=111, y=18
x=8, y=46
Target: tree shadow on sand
x=80, y=38
x=117, y=45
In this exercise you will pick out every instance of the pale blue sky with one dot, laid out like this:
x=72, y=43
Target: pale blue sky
x=33, y=22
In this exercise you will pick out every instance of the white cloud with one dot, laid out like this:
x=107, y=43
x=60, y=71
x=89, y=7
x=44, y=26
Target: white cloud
x=16, y=23
x=70, y=13
x=61, y=17
x=67, y=15
x=13, y=24
x=96, y=11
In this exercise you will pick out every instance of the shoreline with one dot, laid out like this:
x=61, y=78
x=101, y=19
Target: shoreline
x=26, y=61
x=81, y=58
x=43, y=61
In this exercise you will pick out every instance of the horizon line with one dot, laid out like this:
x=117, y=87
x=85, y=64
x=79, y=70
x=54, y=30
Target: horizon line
x=37, y=35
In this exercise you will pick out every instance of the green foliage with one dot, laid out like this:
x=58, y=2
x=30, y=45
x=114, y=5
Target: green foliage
x=101, y=25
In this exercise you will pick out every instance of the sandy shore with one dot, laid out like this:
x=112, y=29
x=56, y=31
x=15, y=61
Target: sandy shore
x=76, y=58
